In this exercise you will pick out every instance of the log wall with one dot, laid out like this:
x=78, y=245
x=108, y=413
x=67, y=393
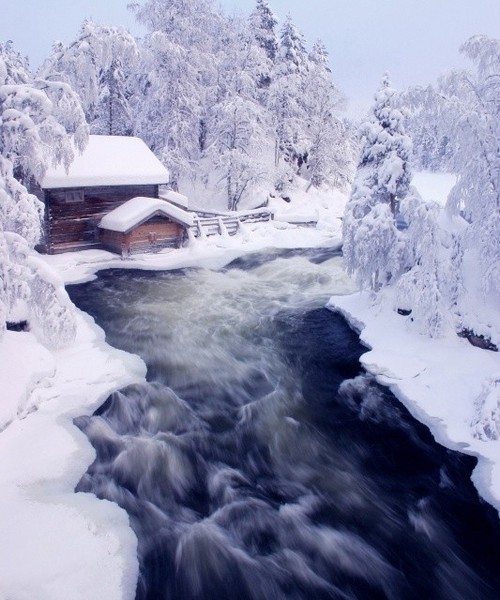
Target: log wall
x=73, y=225
x=154, y=235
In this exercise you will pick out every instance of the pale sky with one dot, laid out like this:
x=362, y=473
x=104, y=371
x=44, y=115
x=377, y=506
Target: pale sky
x=415, y=40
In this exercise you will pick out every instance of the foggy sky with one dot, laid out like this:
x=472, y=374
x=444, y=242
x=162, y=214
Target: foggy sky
x=415, y=40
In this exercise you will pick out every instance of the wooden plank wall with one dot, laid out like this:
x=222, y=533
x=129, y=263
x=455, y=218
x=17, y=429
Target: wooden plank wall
x=152, y=236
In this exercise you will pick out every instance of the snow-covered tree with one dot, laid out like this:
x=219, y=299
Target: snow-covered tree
x=239, y=131
x=98, y=64
x=239, y=145
x=372, y=247
x=420, y=288
x=177, y=85
x=330, y=153
x=473, y=101
x=463, y=111
x=36, y=118
x=387, y=150
x=286, y=97
x=262, y=24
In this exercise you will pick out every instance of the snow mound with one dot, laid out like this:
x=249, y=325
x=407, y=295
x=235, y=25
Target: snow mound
x=55, y=543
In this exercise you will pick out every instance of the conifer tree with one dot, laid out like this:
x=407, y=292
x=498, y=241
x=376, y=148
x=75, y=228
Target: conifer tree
x=372, y=248
x=286, y=98
x=263, y=25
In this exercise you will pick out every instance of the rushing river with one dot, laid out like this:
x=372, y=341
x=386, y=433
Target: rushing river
x=259, y=461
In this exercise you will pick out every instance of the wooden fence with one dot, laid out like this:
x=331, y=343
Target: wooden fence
x=211, y=223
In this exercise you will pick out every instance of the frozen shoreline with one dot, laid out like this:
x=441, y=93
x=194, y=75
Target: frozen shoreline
x=440, y=381
x=56, y=543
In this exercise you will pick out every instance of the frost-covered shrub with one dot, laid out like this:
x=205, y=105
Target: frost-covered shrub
x=489, y=250
x=30, y=290
x=20, y=212
x=418, y=291
x=373, y=247
x=18, y=276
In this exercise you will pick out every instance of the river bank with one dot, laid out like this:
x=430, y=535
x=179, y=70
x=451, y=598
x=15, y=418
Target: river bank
x=57, y=544
x=446, y=383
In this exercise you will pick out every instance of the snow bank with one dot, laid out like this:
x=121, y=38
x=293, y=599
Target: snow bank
x=446, y=383
x=56, y=544
x=109, y=160
x=21, y=377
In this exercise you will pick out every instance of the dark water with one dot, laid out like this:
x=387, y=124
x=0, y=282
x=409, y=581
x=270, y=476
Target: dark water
x=260, y=461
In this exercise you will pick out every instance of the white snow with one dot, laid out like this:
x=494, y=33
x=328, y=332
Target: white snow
x=440, y=380
x=21, y=377
x=175, y=198
x=305, y=216
x=109, y=160
x=139, y=209
x=56, y=544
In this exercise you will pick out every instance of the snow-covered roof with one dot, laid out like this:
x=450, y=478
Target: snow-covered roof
x=109, y=160
x=140, y=209
x=175, y=197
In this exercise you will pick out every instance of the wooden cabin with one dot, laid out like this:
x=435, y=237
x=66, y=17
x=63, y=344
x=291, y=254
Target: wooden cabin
x=110, y=171
x=144, y=225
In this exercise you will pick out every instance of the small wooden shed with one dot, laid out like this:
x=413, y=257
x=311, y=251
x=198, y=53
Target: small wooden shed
x=144, y=225
x=110, y=171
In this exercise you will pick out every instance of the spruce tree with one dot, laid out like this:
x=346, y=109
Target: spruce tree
x=371, y=240
x=263, y=27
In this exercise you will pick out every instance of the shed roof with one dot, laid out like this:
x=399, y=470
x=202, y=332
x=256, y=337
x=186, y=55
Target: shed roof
x=140, y=209
x=109, y=160
x=175, y=198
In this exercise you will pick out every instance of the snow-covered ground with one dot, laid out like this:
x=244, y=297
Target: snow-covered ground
x=446, y=383
x=57, y=544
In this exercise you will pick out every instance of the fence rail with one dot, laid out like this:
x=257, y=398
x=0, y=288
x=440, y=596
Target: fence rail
x=207, y=224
